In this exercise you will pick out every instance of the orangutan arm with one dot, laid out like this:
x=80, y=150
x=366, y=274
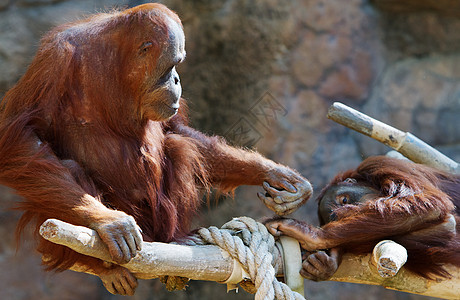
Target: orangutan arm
x=230, y=167
x=29, y=166
x=363, y=225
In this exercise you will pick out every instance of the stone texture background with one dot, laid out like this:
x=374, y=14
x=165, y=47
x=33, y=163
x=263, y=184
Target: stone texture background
x=263, y=73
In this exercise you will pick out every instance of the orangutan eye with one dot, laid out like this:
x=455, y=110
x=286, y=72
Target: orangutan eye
x=145, y=47
x=343, y=199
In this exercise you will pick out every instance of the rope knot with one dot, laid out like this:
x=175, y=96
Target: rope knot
x=250, y=243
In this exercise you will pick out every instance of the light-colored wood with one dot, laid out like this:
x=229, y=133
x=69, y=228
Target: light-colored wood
x=292, y=258
x=211, y=263
x=389, y=257
x=360, y=269
x=404, y=142
x=154, y=260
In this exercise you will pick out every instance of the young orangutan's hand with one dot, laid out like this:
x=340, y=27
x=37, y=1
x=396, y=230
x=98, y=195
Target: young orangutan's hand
x=320, y=265
x=307, y=235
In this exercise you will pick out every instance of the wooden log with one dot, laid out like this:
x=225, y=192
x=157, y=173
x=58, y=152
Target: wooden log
x=404, y=142
x=292, y=262
x=211, y=263
x=361, y=269
x=389, y=257
x=154, y=260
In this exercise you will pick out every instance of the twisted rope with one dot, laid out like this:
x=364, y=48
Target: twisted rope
x=253, y=246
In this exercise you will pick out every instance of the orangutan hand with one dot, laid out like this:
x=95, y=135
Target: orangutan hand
x=285, y=190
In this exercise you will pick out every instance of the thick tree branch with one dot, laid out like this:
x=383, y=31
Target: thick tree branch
x=360, y=269
x=404, y=142
x=213, y=264
x=154, y=260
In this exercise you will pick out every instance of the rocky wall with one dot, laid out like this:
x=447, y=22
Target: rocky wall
x=262, y=74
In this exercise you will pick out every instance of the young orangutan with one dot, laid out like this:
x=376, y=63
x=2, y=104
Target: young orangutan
x=96, y=134
x=384, y=198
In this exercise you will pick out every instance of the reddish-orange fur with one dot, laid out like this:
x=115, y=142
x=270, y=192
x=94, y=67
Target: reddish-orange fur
x=412, y=197
x=384, y=198
x=73, y=130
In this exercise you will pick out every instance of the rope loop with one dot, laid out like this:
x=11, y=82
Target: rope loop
x=250, y=243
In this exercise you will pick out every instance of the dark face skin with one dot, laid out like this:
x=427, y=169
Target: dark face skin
x=162, y=86
x=322, y=265
x=346, y=193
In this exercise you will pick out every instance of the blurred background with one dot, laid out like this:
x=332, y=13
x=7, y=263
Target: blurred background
x=263, y=74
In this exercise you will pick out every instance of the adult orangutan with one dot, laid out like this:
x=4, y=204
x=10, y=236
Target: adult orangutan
x=384, y=198
x=95, y=133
